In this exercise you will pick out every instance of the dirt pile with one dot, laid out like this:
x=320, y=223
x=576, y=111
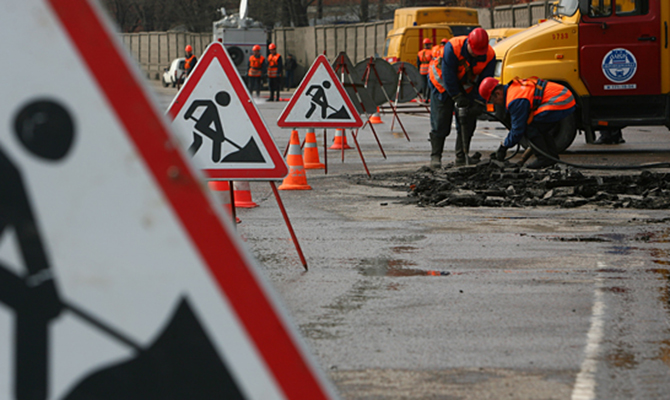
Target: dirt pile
x=494, y=184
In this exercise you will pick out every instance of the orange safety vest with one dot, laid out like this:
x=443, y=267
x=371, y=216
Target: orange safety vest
x=273, y=65
x=466, y=74
x=425, y=56
x=542, y=95
x=187, y=64
x=438, y=51
x=435, y=74
x=255, y=65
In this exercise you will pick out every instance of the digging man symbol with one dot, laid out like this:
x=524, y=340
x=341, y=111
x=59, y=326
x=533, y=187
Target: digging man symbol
x=318, y=94
x=208, y=124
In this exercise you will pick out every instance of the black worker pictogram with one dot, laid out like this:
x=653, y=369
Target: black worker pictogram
x=181, y=362
x=209, y=125
x=318, y=98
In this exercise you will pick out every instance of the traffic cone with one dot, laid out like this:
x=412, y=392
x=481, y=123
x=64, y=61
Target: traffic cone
x=222, y=190
x=375, y=118
x=296, y=179
x=243, y=195
x=311, y=152
x=340, y=140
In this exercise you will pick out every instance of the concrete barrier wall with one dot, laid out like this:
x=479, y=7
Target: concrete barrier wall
x=155, y=50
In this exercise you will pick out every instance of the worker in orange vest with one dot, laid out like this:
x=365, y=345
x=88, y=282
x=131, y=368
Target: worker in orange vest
x=275, y=72
x=454, y=81
x=536, y=107
x=423, y=60
x=255, y=70
x=191, y=60
x=438, y=49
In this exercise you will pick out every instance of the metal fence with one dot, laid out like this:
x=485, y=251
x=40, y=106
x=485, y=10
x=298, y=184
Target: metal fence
x=155, y=50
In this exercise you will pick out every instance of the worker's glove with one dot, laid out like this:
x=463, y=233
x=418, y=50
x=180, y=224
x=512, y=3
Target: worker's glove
x=461, y=101
x=501, y=153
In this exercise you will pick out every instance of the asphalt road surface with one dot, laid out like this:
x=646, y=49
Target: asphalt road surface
x=408, y=302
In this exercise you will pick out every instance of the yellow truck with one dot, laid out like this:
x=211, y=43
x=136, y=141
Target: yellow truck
x=413, y=24
x=612, y=54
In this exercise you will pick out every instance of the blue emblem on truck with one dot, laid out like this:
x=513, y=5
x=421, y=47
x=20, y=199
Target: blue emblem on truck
x=619, y=65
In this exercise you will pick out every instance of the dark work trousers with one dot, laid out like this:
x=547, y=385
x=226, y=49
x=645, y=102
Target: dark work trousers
x=255, y=84
x=275, y=87
x=541, y=134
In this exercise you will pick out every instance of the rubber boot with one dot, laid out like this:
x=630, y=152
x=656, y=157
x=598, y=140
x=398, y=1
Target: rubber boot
x=436, y=148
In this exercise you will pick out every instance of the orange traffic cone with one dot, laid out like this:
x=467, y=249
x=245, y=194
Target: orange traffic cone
x=296, y=179
x=310, y=153
x=222, y=190
x=243, y=195
x=375, y=118
x=340, y=140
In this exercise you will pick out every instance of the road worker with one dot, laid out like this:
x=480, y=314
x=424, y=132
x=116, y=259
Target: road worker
x=275, y=72
x=256, y=67
x=423, y=59
x=536, y=108
x=191, y=60
x=454, y=81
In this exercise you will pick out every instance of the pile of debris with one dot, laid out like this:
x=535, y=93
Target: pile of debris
x=494, y=184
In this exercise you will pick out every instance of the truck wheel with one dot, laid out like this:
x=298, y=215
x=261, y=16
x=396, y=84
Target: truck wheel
x=165, y=84
x=566, y=133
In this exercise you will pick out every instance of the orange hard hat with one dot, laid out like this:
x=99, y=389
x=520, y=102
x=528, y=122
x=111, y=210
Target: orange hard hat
x=256, y=48
x=444, y=40
x=479, y=41
x=427, y=41
x=188, y=48
x=487, y=86
x=272, y=46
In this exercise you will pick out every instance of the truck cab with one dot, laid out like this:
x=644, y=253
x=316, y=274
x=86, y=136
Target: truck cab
x=612, y=54
x=413, y=24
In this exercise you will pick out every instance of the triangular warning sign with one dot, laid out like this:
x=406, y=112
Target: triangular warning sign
x=216, y=120
x=320, y=101
x=129, y=282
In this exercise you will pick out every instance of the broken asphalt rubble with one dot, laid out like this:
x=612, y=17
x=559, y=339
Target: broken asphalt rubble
x=495, y=184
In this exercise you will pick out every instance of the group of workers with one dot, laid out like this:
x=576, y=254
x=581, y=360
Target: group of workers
x=274, y=67
x=459, y=80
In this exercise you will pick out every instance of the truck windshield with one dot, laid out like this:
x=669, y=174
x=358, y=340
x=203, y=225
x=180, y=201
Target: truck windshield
x=567, y=7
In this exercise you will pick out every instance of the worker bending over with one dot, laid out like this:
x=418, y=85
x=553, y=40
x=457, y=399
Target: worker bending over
x=536, y=108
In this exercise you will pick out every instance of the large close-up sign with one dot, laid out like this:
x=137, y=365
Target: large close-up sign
x=119, y=278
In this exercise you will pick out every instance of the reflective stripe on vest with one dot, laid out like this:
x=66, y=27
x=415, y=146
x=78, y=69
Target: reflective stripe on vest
x=273, y=65
x=467, y=75
x=554, y=97
x=256, y=65
x=425, y=56
x=435, y=74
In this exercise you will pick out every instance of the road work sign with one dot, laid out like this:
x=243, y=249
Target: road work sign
x=320, y=101
x=119, y=276
x=220, y=126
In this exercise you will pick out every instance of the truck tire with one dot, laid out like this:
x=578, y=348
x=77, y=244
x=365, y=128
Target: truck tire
x=566, y=133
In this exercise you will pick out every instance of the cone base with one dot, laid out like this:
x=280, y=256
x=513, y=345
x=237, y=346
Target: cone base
x=338, y=146
x=288, y=186
x=245, y=204
x=315, y=166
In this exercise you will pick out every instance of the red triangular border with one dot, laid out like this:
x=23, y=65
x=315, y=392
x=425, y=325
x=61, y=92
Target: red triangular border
x=320, y=60
x=221, y=253
x=217, y=51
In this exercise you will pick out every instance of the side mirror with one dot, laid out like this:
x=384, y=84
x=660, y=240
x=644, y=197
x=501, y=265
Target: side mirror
x=584, y=7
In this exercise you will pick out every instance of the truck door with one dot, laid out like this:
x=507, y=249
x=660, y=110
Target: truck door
x=619, y=47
